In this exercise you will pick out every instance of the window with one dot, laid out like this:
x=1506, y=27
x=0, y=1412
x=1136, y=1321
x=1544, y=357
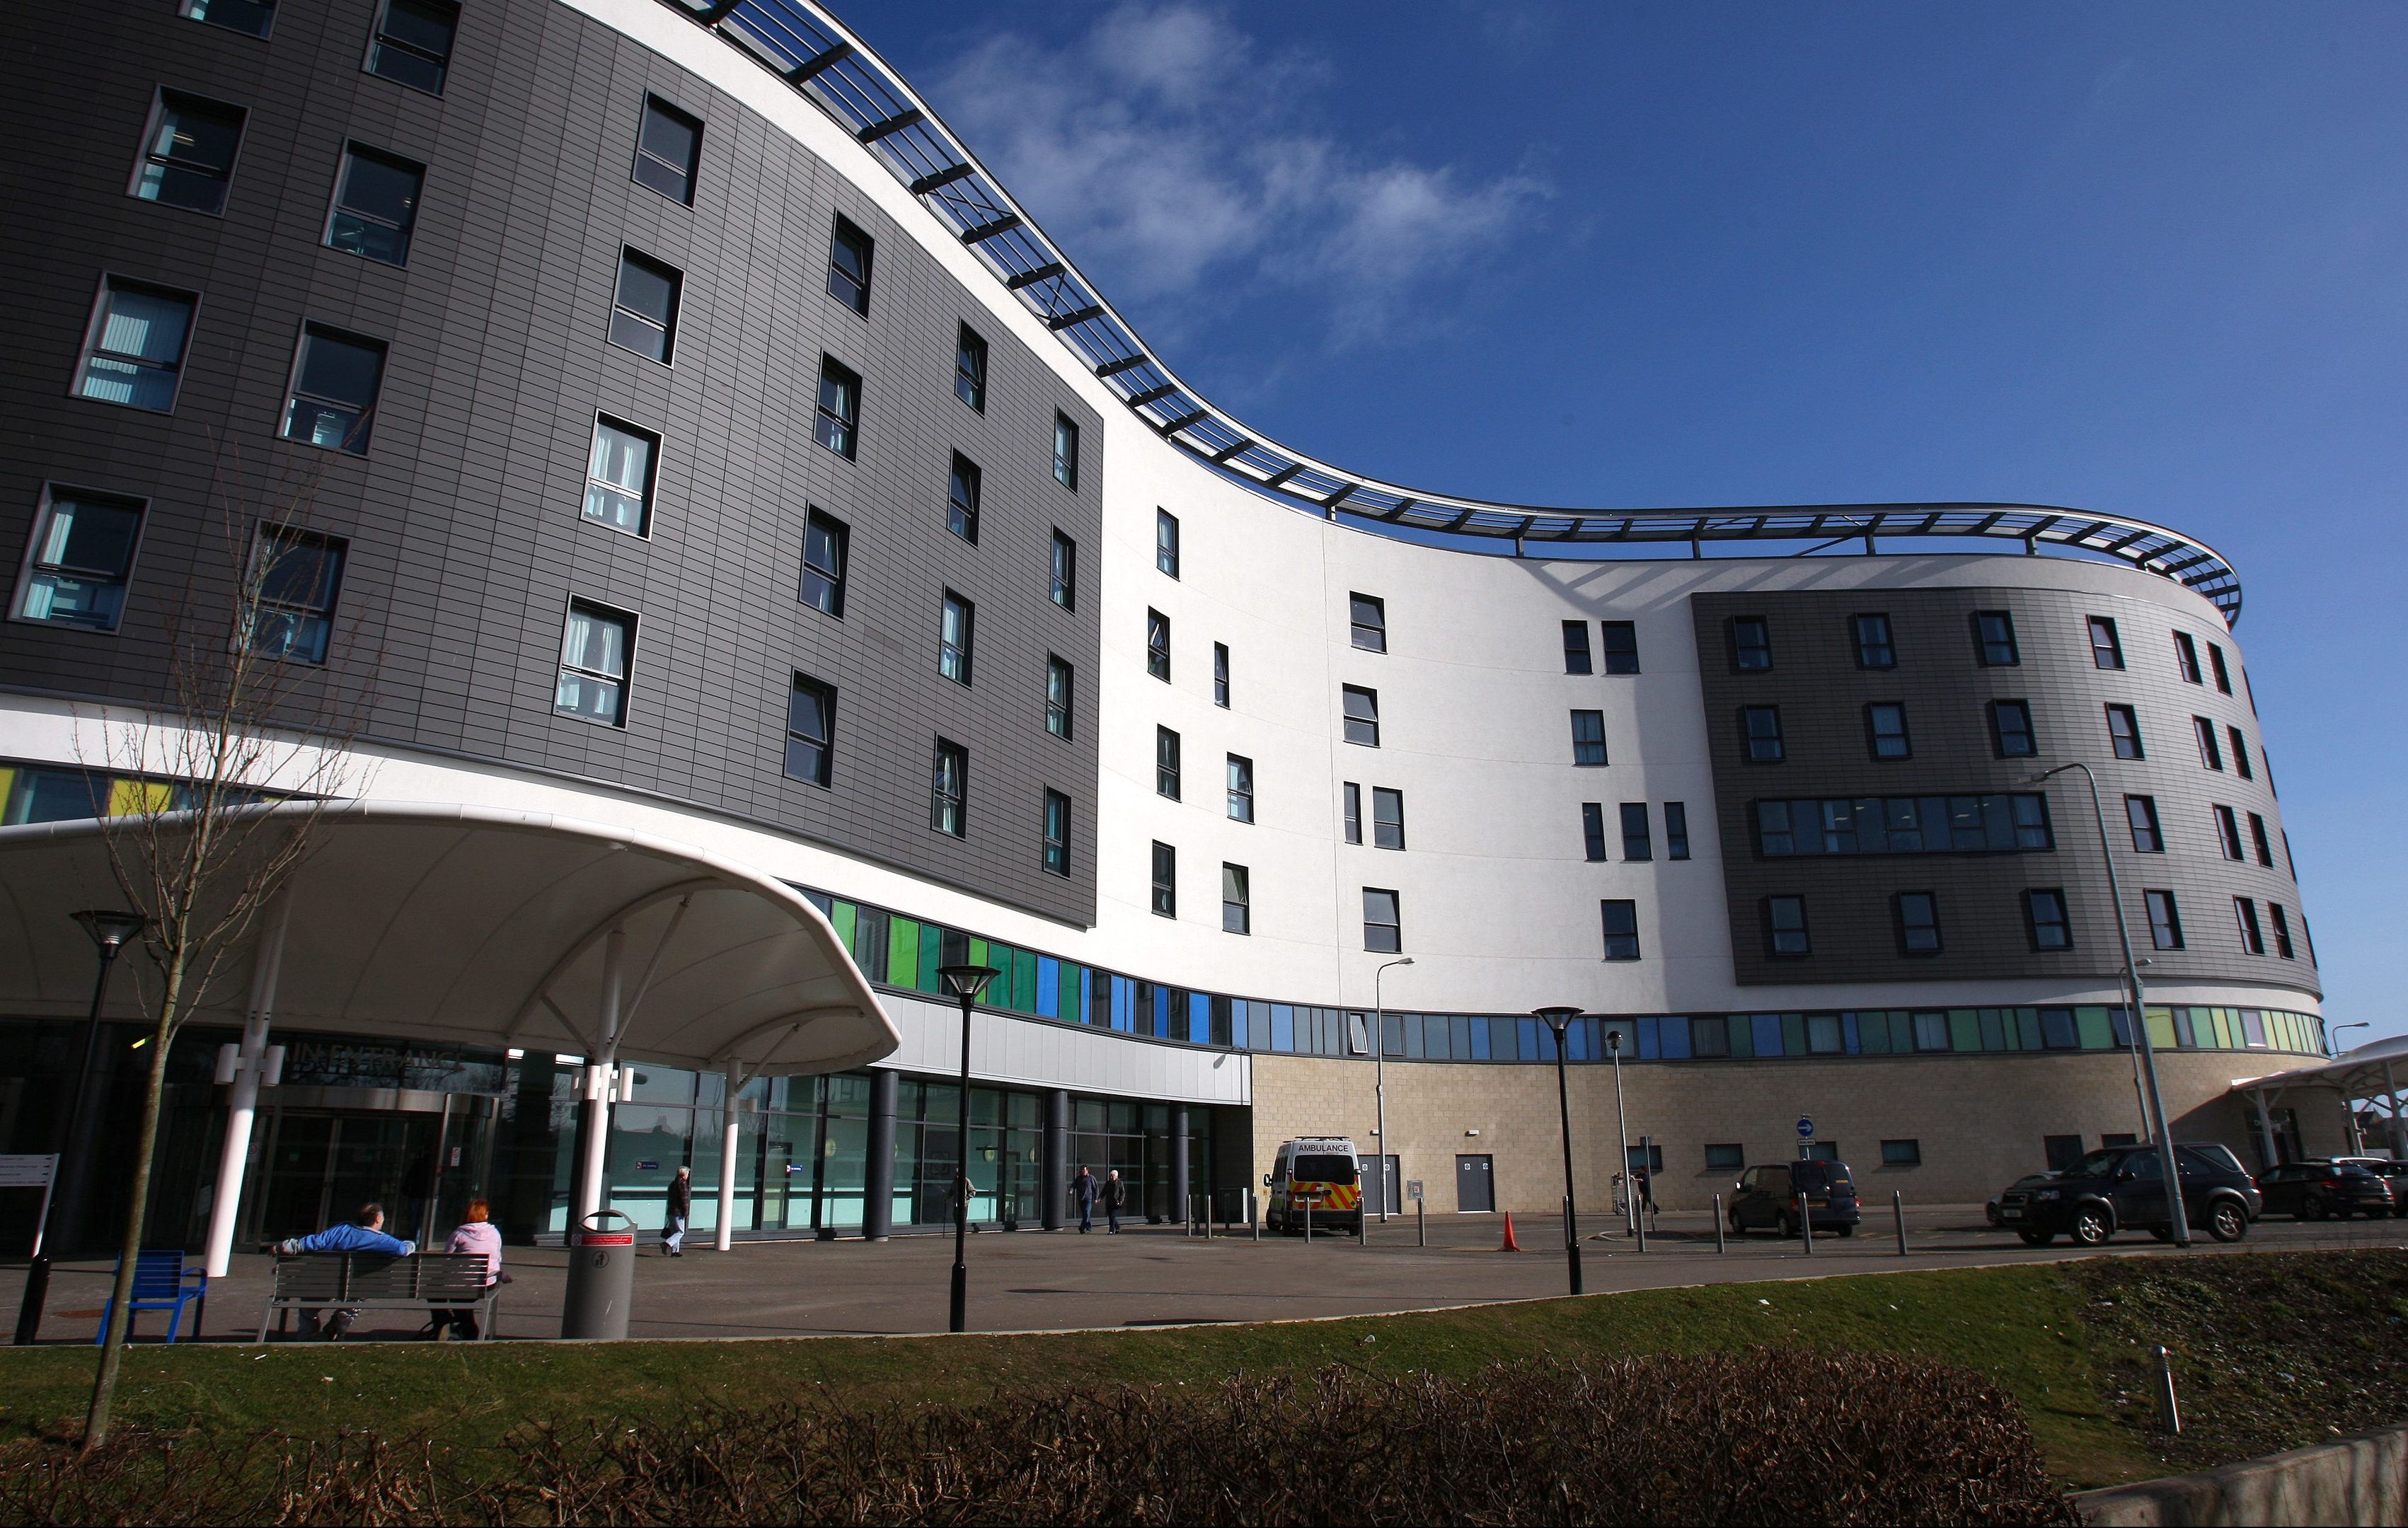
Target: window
x=1157, y=644
x=376, y=205
x=1635, y=843
x=2215, y=663
x=2141, y=813
x=2011, y=730
x=810, y=732
x=838, y=424
x=1876, y=646
x=2044, y=920
x=1065, y=452
x=253, y=17
x=1242, y=788
x=1354, y=812
x=2240, y=751
x=2244, y=912
x=78, y=560
x=1063, y=585
x=848, y=277
x=1676, y=831
x=825, y=542
x=1620, y=918
x=188, y=153
x=1994, y=639
x=962, y=499
x=2124, y=732
x=2165, y=920
x=2210, y=754
x=644, y=311
x=953, y=636
x=1918, y=922
x=594, y=655
x=1057, y=834
x=1221, y=675
x=1387, y=818
x=1710, y=1036
x=1383, y=931
x=1576, y=654
x=1166, y=542
x=299, y=575
x=1751, y=642
x=1759, y=728
x=1368, y=623
x=1996, y=822
x=2261, y=841
x=1931, y=1032
x=619, y=477
x=2106, y=651
x=970, y=368
x=668, y=150
x=1362, y=708
x=412, y=42
x=1901, y=1153
x=335, y=382
x=2187, y=657
x=1166, y=881
x=949, y=790
x=133, y=351
x=1785, y=926
x=2282, y=930
x=1165, y=763
x=1885, y=730
x=1589, y=739
x=1725, y=1157
x=1621, y=646
x=1236, y=904
x=1593, y=831
x=2228, y=833
x=1058, y=682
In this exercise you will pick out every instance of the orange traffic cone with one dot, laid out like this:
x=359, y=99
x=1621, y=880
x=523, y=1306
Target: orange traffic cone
x=1510, y=1245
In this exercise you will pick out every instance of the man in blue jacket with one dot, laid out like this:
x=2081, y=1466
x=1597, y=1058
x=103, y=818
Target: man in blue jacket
x=362, y=1233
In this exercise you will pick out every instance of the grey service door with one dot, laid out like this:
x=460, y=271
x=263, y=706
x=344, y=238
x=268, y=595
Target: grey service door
x=1476, y=1183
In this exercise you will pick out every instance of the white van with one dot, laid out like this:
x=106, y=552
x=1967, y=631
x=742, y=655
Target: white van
x=1319, y=1170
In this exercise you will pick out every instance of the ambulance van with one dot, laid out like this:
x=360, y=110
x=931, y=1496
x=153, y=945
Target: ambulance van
x=1319, y=1170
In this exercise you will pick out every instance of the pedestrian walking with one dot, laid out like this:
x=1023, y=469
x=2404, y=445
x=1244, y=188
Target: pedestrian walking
x=1082, y=1191
x=681, y=1206
x=1115, y=1196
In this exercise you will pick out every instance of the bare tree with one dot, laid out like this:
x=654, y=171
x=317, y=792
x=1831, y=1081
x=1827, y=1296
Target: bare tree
x=218, y=787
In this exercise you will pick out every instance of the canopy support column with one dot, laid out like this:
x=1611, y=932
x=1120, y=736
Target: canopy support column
x=601, y=1081
x=2266, y=1131
x=233, y=1156
x=725, y=1235
x=2391, y=1097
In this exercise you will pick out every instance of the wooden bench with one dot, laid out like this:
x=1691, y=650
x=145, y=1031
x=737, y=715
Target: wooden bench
x=321, y=1282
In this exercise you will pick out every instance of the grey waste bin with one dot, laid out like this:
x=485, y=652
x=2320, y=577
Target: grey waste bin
x=601, y=1276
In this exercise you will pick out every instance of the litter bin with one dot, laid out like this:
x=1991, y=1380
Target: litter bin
x=601, y=1276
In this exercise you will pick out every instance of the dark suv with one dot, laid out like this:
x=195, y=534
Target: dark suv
x=1769, y=1195
x=2121, y=1188
x=2323, y=1191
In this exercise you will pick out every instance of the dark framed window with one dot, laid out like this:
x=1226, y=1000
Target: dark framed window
x=1636, y=842
x=1588, y=739
x=954, y=635
x=2240, y=751
x=1676, y=831
x=1241, y=788
x=970, y=368
x=2187, y=657
x=644, y=306
x=376, y=205
x=827, y=547
x=949, y=790
x=1593, y=831
x=1751, y=644
x=1387, y=818
x=1165, y=763
x=2244, y=913
x=1759, y=735
x=1221, y=675
x=2124, y=732
x=2261, y=841
x=1367, y=623
x=2281, y=929
x=1994, y=639
x=252, y=18
x=1352, y=805
x=134, y=349
x=1157, y=644
x=336, y=377
x=595, y=651
x=1885, y=730
x=1726, y=1157
x=850, y=252
x=2228, y=833
x=188, y=152
x=1931, y=1032
x=618, y=476
x=962, y=499
x=2211, y=752
x=1057, y=834
x=299, y=575
x=411, y=44
x=1059, y=682
x=2141, y=813
x=2215, y=663
x=1620, y=918
x=2011, y=730
x=1166, y=881
x=810, y=732
x=668, y=150
x=838, y=425
x=1785, y=927
x=1063, y=575
x=2106, y=648
x=1383, y=931
x=1065, y=452
x=1876, y=646
x=2165, y=920
x=1576, y=653
x=1166, y=542
x=1994, y=822
x=1621, y=646
x=1362, y=712
x=80, y=560
x=1918, y=915
x=1237, y=900
x=2045, y=923
x=1901, y=1153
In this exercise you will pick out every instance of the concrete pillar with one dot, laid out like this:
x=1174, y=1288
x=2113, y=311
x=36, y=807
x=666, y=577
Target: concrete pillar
x=600, y=1083
x=1179, y=1188
x=725, y=1235
x=1053, y=1182
x=242, y=1103
x=878, y=1172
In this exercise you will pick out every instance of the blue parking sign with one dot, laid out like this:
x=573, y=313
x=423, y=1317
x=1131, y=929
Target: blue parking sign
x=1805, y=1128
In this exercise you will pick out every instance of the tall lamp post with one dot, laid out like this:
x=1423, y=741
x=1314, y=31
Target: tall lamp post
x=1558, y=1020
x=1380, y=1075
x=966, y=981
x=2332, y=1047
x=110, y=931
x=1622, y=1128
x=2164, y=1130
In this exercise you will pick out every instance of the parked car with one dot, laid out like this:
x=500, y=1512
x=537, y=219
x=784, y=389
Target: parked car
x=2120, y=1188
x=2322, y=1190
x=2030, y=1181
x=2391, y=1171
x=1767, y=1196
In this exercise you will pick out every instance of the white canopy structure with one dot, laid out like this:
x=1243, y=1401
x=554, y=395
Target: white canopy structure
x=2373, y=1073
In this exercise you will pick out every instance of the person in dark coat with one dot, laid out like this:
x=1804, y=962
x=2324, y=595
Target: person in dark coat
x=681, y=1206
x=1083, y=1191
x=1115, y=1196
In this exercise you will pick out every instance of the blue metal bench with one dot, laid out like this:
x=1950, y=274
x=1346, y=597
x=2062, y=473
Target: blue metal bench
x=161, y=1282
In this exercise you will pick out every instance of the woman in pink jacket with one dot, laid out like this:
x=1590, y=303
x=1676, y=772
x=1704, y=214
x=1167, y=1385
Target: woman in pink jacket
x=477, y=1234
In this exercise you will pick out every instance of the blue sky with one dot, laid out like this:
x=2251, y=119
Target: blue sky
x=2147, y=259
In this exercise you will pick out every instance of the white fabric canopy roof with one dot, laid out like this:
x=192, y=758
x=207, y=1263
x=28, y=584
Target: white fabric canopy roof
x=2368, y=1072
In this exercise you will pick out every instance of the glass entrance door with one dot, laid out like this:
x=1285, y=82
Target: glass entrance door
x=323, y=1164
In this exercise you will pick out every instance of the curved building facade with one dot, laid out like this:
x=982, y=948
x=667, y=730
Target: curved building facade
x=675, y=447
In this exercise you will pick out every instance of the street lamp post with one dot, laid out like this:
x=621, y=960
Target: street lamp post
x=2164, y=1130
x=1380, y=1077
x=966, y=981
x=2332, y=1047
x=1558, y=1018
x=1622, y=1128
x=110, y=931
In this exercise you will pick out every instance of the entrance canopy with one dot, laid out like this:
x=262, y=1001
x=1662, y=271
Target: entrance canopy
x=2375, y=1073
x=484, y=927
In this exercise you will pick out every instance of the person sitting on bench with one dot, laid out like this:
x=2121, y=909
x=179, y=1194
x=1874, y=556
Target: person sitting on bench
x=362, y=1233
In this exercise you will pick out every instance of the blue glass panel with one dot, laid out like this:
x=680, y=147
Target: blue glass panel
x=1649, y=1046
x=1767, y=1032
x=1048, y=987
x=1125, y=1005
x=1282, y=1027
x=1479, y=1051
x=1848, y=1033
x=1199, y=1017
x=1676, y=1039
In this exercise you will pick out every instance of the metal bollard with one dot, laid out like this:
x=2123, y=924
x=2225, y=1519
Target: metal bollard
x=1898, y=1209
x=1362, y=1225
x=1639, y=1225
x=1805, y=1225
x=2169, y=1413
x=1421, y=1223
x=1307, y=1220
x=1718, y=1223
x=1254, y=1214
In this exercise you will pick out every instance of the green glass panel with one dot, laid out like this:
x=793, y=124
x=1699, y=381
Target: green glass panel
x=932, y=955
x=1072, y=1002
x=1901, y=1033
x=1872, y=1034
x=1793, y=1034
x=1994, y=1034
x=1742, y=1035
x=2098, y=1031
x=1024, y=981
x=1964, y=1029
x=2027, y=1028
x=843, y=920
x=902, y=950
x=979, y=952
